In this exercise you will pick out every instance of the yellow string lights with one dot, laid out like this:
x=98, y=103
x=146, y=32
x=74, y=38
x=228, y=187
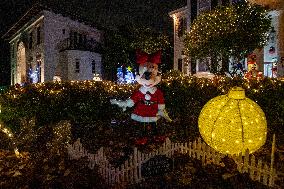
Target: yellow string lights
x=233, y=123
x=10, y=135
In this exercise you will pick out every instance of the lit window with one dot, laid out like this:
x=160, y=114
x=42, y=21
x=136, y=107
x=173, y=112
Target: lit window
x=77, y=66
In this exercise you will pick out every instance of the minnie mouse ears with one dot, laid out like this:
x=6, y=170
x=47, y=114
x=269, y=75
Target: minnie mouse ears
x=143, y=57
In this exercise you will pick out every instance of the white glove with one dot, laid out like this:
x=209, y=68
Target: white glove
x=122, y=104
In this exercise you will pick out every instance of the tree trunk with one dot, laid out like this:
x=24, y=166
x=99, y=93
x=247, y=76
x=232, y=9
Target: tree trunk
x=225, y=65
x=214, y=64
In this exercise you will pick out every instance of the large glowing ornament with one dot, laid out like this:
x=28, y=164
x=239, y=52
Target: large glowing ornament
x=233, y=123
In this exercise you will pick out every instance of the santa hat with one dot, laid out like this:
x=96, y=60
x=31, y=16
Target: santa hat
x=143, y=57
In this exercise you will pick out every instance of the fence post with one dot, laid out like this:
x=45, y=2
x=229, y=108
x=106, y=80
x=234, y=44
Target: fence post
x=203, y=153
x=271, y=175
x=265, y=174
x=198, y=152
x=259, y=167
x=194, y=149
x=246, y=161
x=252, y=168
x=190, y=149
x=135, y=164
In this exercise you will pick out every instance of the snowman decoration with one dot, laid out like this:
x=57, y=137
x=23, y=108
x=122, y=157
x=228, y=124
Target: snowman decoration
x=148, y=100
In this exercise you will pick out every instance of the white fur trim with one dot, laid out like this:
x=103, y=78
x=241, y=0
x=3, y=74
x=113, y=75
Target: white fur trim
x=144, y=90
x=143, y=119
x=161, y=106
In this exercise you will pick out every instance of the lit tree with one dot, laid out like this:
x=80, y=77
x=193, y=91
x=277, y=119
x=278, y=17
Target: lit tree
x=149, y=41
x=120, y=46
x=228, y=31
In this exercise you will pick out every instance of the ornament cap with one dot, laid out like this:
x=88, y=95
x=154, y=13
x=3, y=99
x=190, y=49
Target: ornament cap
x=237, y=93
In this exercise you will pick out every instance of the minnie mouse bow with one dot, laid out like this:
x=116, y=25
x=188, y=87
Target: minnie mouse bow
x=143, y=57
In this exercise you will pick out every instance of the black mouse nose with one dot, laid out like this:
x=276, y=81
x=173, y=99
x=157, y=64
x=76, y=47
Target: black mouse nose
x=147, y=75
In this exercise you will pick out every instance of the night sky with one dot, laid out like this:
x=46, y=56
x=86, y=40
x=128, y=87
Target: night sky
x=104, y=13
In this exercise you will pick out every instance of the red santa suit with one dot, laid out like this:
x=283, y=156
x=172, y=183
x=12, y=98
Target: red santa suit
x=148, y=101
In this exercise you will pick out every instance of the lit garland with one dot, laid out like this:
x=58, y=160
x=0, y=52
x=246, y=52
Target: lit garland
x=10, y=135
x=87, y=101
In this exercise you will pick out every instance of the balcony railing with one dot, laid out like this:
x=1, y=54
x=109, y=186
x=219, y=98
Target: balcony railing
x=89, y=45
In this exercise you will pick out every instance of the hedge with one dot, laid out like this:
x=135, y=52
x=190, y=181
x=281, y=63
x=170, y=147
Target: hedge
x=85, y=102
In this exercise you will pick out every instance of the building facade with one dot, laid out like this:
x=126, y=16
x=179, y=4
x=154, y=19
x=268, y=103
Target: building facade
x=271, y=56
x=47, y=46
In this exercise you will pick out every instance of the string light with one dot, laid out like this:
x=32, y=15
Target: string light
x=106, y=89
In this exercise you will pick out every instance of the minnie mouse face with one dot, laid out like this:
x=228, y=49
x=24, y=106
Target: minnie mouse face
x=148, y=75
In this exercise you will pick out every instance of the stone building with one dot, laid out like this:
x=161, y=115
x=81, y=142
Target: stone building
x=47, y=46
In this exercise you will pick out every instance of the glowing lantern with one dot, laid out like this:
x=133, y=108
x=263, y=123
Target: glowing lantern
x=233, y=123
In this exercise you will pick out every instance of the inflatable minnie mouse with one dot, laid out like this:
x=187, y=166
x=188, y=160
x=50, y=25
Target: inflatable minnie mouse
x=148, y=100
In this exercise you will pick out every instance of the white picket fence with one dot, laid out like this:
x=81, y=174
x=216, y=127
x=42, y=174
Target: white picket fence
x=130, y=171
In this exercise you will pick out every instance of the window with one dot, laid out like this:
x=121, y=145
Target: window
x=38, y=31
x=203, y=5
x=181, y=27
x=193, y=13
x=80, y=39
x=13, y=50
x=63, y=31
x=77, y=66
x=180, y=64
x=31, y=40
x=93, y=66
x=235, y=1
x=225, y=2
x=214, y=4
x=85, y=39
x=75, y=38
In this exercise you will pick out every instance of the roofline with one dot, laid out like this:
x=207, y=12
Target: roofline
x=41, y=8
x=14, y=25
x=177, y=11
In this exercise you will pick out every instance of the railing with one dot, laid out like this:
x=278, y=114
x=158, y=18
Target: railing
x=89, y=45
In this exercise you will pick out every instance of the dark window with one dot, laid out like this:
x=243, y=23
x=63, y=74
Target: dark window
x=63, y=31
x=182, y=27
x=71, y=39
x=235, y=1
x=193, y=65
x=84, y=39
x=31, y=40
x=80, y=39
x=93, y=66
x=225, y=2
x=77, y=66
x=13, y=50
x=193, y=10
x=214, y=3
x=75, y=37
x=38, y=31
x=180, y=64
